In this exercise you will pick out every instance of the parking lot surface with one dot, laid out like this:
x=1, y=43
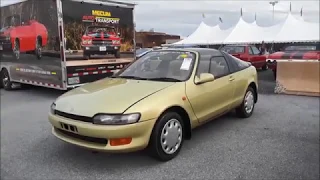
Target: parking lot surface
x=280, y=141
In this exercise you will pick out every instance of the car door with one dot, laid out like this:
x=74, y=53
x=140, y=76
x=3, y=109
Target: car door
x=257, y=59
x=212, y=98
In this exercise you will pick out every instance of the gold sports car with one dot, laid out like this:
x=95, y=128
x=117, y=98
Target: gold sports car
x=155, y=102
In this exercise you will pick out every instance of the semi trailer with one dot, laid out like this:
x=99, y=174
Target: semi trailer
x=64, y=44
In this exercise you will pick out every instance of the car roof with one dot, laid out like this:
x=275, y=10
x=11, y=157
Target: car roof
x=230, y=45
x=214, y=52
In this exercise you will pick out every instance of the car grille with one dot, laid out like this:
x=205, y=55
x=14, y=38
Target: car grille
x=83, y=138
x=4, y=40
x=102, y=42
x=73, y=117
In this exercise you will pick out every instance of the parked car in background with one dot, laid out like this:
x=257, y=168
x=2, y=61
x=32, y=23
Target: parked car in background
x=156, y=101
x=249, y=53
x=299, y=51
x=17, y=36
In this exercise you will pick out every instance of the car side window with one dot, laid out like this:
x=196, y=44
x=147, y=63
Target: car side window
x=250, y=50
x=203, y=66
x=255, y=50
x=219, y=67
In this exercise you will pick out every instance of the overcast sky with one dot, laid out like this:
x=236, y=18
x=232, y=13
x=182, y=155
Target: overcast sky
x=183, y=17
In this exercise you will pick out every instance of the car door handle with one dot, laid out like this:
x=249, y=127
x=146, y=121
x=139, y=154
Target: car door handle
x=231, y=78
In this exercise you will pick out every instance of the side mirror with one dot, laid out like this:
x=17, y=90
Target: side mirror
x=204, y=77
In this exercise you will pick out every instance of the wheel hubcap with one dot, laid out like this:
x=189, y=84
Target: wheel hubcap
x=249, y=102
x=171, y=136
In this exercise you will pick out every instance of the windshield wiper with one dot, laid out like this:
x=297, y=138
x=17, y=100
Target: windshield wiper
x=132, y=77
x=165, y=79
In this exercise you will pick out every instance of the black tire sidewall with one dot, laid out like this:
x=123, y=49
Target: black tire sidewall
x=1, y=82
x=14, y=54
x=38, y=46
x=86, y=55
x=117, y=54
x=155, y=144
x=9, y=85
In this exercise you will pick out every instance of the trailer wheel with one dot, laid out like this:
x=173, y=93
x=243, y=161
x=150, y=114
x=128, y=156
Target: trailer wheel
x=16, y=49
x=117, y=54
x=5, y=80
x=38, y=50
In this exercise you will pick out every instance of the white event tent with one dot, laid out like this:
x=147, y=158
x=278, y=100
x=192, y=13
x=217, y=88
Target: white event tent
x=290, y=30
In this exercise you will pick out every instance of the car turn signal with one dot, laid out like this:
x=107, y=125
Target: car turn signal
x=120, y=141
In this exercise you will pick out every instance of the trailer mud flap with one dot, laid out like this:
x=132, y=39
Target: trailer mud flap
x=298, y=77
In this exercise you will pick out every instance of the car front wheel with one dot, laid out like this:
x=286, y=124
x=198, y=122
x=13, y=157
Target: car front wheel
x=246, y=108
x=117, y=54
x=167, y=137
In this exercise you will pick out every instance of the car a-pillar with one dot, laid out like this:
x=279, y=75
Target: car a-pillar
x=173, y=121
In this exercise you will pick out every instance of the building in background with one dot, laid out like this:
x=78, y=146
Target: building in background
x=147, y=39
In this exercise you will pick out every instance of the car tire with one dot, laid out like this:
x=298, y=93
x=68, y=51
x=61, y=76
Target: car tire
x=164, y=149
x=1, y=83
x=86, y=56
x=16, y=49
x=246, y=108
x=265, y=67
x=5, y=80
x=117, y=54
x=38, y=50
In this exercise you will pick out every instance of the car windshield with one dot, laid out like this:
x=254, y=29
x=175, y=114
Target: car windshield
x=143, y=50
x=233, y=49
x=164, y=65
x=100, y=29
x=301, y=48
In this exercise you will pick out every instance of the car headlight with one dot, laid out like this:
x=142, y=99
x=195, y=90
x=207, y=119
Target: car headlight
x=116, y=119
x=52, y=108
x=8, y=38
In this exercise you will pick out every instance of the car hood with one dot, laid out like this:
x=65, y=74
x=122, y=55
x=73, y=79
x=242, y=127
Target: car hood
x=111, y=95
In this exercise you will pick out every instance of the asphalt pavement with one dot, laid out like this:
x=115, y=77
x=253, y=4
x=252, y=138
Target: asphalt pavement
x=280, y=141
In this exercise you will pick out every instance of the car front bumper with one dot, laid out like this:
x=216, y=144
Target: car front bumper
x=5, y=46
x=100, y=49
x=97, y=137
